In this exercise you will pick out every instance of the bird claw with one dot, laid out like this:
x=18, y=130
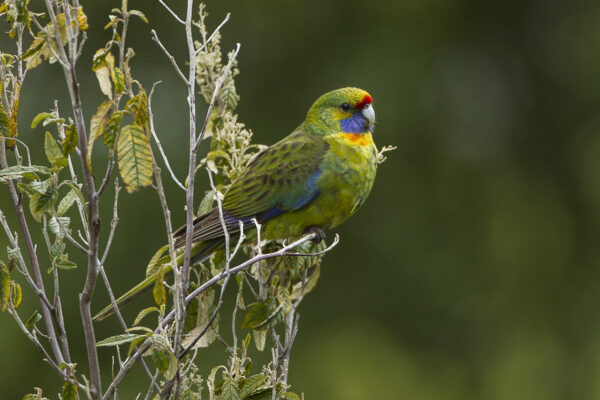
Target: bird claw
x=320, y=233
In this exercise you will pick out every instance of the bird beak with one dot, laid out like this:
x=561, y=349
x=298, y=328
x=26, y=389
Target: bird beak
x=369, y=113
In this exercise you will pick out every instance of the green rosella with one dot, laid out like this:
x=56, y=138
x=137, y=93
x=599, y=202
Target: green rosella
x=313, y=179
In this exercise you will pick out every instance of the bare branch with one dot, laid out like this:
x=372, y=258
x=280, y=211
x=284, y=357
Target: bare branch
x=210, y=38
x=171, y=58
x=155, y=136
x=172, y=12
x=130, y=362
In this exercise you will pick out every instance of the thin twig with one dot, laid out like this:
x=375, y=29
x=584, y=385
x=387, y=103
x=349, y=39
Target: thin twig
x=172, y=12
x=130, y=362
x=169, y=56
x=210, y=38
x=155, y=136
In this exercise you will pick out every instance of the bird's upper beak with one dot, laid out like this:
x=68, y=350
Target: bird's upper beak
x=369, y=113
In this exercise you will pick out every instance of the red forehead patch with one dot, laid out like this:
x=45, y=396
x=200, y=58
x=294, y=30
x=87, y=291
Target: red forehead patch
x=365, y=100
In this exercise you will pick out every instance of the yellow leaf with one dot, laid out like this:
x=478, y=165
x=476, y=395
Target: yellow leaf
x=97, y=126
x=135, y=157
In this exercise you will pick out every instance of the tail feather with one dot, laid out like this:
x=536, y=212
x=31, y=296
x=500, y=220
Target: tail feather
x=200, y=252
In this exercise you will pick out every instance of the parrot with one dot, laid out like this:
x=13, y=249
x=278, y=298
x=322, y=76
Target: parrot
x=313, y=179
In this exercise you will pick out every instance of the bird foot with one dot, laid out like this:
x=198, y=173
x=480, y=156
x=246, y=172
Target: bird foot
x=318, y=231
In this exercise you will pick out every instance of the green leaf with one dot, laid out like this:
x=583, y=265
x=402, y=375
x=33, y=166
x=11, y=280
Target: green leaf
x=260, y=338
x=118, y=80
x=17, y=294
x=34, y=319
x=158, y=291
x=66, y=264
x=4, y=123
x=66, y=203
x=163, y=358
x=39, y=203
x=229, y=390
x=118, y=339
x=53, y=152
x=139, y=14
x=41, y=117
x=57, y=249
x=114, y=124
x=69, y=143
x=262, y=315
x=21, y=171
x=143, y=313
x=135, y=343
x=98, y=125
x=302, y=288
x=154, y=264
x=69, y=391
x=290, y=396
x=262, y=394
x=252, y=384
x=4, y=287
x=135, y=157
x=55, y=226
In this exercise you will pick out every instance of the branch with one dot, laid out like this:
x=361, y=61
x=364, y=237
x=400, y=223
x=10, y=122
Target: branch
x=210, y=38
x=130, y=362
x=172, y=12
x=171, y=58
x=155, y=136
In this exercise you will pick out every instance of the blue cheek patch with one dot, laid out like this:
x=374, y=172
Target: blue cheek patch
x=356, y=123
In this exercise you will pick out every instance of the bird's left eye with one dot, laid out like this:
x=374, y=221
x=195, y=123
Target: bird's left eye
x=345, y=106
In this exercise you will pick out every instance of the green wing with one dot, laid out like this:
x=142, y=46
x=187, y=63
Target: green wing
x=280, y=179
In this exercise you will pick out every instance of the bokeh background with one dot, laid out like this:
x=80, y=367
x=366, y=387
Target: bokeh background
x=473, y=271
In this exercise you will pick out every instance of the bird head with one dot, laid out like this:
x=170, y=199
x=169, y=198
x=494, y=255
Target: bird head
x=347, y=110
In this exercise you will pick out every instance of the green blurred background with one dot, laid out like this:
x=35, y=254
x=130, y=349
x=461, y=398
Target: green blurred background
x=473, y=270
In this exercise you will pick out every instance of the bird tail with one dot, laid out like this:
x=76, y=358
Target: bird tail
x=200, y=252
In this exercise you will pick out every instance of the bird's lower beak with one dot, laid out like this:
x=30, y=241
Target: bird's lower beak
x=369, y=113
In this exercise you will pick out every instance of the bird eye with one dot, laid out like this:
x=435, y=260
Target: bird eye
x=345, y=106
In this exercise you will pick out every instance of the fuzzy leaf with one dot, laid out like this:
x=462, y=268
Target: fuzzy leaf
x=135, y=157
x=69, y=143
x=66, y=203
x=4, y=287
x=252, y=384
x=118, y=339
x=21, y=171
x=260, y=338
x=38, y=203
x=55, y=226
x=154, y=264
x=69, y=391
x=53, y=152
x=229, y=390
x=143, y=313
x=262, y=315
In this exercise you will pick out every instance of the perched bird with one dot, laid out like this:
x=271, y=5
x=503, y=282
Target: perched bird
x=314, y=179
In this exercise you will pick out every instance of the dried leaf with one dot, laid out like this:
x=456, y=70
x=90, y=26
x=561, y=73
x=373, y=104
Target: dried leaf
x=98, y=125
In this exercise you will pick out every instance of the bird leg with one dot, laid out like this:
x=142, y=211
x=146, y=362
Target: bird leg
x=315, y=229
